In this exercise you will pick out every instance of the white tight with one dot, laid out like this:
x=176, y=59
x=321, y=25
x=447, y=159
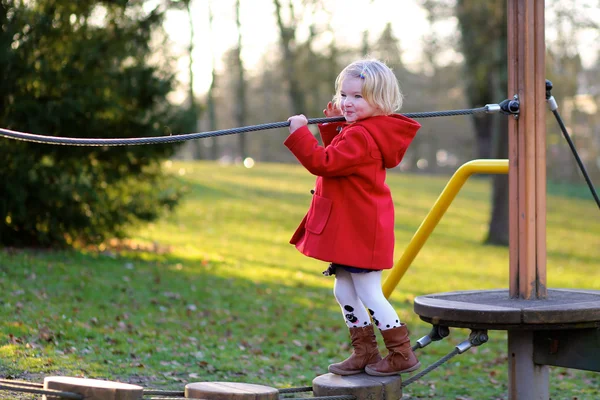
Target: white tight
x=355, y=291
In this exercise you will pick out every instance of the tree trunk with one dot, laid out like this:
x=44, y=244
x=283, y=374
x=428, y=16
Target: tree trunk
x=484, y=38
x=212, y=118
x=498, y=228
x=288, y=37
x=483, y=133
x=193, y=113
x=241, y=86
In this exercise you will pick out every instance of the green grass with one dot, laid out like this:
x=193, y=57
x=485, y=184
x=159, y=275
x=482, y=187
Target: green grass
x=215, y=292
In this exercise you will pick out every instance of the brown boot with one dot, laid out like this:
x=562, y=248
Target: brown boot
x=365, y=352
x=400, y=359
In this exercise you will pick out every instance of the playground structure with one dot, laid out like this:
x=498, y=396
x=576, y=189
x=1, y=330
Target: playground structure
x=558, y=327
x=546, y=327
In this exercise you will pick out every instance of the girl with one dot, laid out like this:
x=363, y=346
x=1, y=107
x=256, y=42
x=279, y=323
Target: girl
x=350, y=222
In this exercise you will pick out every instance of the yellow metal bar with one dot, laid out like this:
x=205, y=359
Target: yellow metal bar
x=435, y=214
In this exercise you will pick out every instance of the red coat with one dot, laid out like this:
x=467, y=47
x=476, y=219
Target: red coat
x=351, y=217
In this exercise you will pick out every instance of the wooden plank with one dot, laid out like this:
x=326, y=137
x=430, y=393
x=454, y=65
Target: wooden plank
x=513, y=156
x=527, y=154
x=521, y=134
x=495, y=308
x=445, y=309
x=527, y=269
x=540, y=129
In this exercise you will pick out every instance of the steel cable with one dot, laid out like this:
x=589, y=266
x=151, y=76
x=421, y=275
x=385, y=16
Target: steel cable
x=338, y=397
x=174, y=393
x=58, y=140
x=24, y=386
x=565, y=133
x=296, y=390
x=21, y=383
x=430, y=368
x=164, y=398
x=49, y=392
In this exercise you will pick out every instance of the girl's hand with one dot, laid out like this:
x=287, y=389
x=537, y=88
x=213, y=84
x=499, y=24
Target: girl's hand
x=297, y=121
x=332, y=110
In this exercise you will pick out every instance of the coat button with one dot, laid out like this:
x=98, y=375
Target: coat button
x=312, y=191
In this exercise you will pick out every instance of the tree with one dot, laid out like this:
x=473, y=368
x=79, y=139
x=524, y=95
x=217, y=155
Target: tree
x=288, y=42
x=484, y=45
x=387, y=48
x=240, y=109
x=443, y=143
x=193, y=111
x=210, y=96
x=81, y=69
x=564, y=67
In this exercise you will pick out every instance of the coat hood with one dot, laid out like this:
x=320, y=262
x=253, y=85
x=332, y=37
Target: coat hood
x=393, y=134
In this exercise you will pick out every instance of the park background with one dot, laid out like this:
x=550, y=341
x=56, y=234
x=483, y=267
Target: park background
x=168, y=264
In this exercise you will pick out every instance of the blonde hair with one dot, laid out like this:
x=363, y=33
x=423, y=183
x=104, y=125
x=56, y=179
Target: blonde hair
x=380, y=85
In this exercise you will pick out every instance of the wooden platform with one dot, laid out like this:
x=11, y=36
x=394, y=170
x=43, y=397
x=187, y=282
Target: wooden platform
x=363, y=386
x=495, y=310
x=93, y=389
x=230, y=391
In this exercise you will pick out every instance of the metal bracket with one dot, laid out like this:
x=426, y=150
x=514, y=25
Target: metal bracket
x=569, y=348
x=511, y=107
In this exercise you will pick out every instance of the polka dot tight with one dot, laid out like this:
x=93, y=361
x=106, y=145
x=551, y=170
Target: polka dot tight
x=357, y=293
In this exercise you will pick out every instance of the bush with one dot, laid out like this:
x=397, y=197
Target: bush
x=68, y=72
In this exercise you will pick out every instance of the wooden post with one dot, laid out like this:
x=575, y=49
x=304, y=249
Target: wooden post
x=527, y=150
x=527, y=188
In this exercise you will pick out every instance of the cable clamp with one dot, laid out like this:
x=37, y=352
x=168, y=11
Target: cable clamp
x=549, y=98
x=476, y=338
x=510, y=107
x=492, y=108
x=438, y=332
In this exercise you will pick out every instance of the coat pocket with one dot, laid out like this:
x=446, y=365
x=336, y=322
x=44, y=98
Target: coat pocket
x=318, y=214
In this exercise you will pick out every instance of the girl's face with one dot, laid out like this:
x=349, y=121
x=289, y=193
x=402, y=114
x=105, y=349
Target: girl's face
x=353, y=104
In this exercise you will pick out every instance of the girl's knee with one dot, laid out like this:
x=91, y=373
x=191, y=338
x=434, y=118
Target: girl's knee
x=372, y=298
